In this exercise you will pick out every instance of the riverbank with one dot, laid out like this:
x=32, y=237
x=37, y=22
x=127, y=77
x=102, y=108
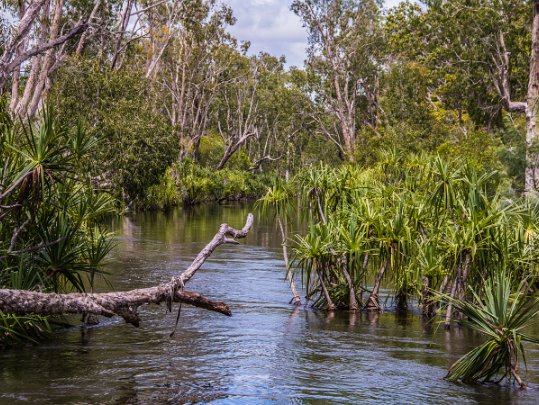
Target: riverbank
x=187, y=184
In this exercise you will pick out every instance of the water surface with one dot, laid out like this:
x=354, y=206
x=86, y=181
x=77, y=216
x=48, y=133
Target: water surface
x=267, y=352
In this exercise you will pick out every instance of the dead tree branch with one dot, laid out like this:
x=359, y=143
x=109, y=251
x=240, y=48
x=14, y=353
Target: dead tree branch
x=126, y=303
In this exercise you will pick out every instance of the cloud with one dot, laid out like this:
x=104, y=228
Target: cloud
x=271, y=27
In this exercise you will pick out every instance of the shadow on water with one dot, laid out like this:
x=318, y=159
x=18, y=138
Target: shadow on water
x=267, y=352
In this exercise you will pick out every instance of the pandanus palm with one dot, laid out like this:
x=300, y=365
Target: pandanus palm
x=352, y=238
x=49, y=235
x=313, y=256
x=314, y=184
x=443, y=196
x=393, y=236
x=503, y=318
x=428, y=262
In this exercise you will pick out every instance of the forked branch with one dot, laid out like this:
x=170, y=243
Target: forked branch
x=126, y=303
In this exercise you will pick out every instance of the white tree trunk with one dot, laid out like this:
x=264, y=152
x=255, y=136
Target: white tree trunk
x=532, y=143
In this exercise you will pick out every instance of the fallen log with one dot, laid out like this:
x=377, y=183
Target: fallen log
x=125, y=303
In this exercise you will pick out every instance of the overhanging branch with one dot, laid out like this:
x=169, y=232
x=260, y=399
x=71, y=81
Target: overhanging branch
x=125, y=303
x=44, y=47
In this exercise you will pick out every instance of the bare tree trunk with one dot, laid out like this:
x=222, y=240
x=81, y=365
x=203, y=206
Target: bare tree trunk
x=232, y=148
x=452, y=294
x=85, y=34
x=15, y=80
x=48, y=59
x=373, y=303
x=14, y=89
x=289, y=275
x=152, y=68
x=531, y=181
x=320, y=209
x=362, y=277
x=122, y=26
x=21, y=107
x=461, y=294
x=125, y=304
x=22, y=32
x=449, y=309
x=352, y=302
x=502, y=85
x=517, y=378
x=461, y=291
x=426, y=296
x=330, y=305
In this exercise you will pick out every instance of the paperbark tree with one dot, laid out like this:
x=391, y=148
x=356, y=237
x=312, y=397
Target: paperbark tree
x=237, y=119
x=191, y=72
x=532, y=141
x=40, y=38
x=344, y=47
x=528, y=107
x=479, y=78
x=27, y=19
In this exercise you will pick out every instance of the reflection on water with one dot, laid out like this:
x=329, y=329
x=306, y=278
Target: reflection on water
x=267, y=352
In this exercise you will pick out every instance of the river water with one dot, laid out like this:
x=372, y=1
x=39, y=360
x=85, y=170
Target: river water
x=267, y=352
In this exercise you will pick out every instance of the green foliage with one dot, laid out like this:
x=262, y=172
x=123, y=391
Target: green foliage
x=134, y=142
x=409, y=220
x=211, y=150
x=16, y=329
x=50, y=236
x=513, y=152
x=188, y=184
x=457, y=43
x=502, y=317
x=479, y=148
x=276, y=200
x=164, y=194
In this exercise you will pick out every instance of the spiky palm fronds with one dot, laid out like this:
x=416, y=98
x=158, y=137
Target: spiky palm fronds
x=503, y=318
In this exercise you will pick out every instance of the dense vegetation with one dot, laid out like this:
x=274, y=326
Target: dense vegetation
x=51, y=238
x=433, y=231
x=166, y=83
x=402, y=136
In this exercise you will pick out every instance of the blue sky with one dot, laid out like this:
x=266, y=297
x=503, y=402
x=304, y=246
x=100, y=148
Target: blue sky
x=272, y=27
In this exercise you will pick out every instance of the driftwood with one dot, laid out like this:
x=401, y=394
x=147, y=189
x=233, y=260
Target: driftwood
x=125, y=304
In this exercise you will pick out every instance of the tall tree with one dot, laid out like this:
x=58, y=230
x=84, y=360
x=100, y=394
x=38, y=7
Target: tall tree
x=344, y=58
x=481, y=54
x=43, y=31
x=192, y=69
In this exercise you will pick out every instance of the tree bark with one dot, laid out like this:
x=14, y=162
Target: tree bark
x=373, y=303
x=426, y=297
x=122, y=26
x=22, y=32
x=232, y=148
x=125, y=304
x=20, y=107
x=453, y=293
x=531, y=178
x=362, y=278
x=352, y=302
x=531, y=174
x=47, y=60
x=330, y=305
x=320, y=209
x=289, y=275
x=85, y=34
x=15, y=80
